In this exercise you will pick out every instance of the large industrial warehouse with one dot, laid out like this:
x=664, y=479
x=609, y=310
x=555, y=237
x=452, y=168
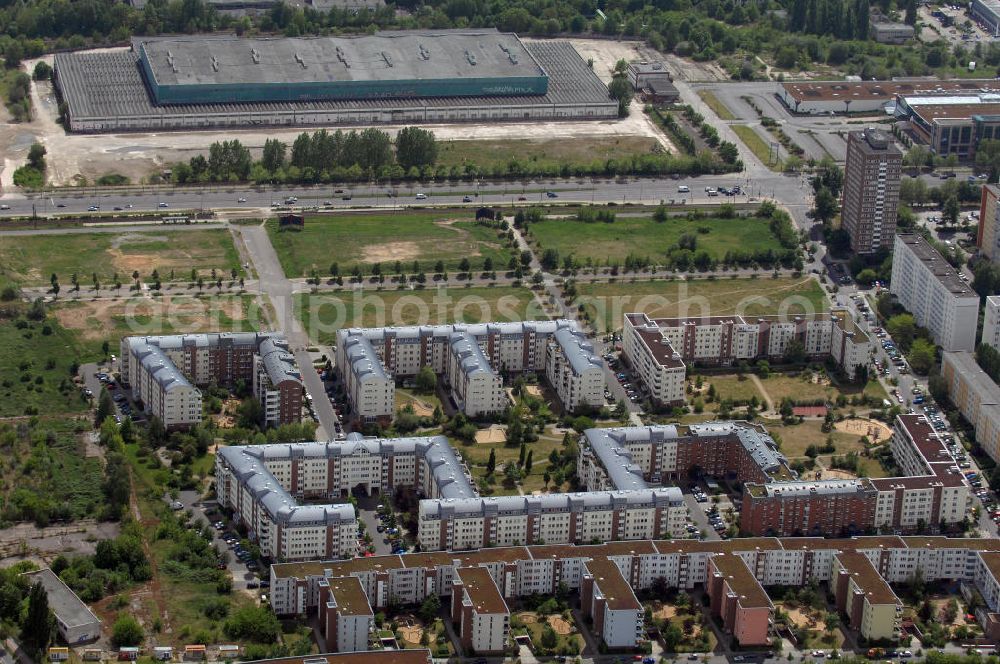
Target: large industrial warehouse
x=390, y=77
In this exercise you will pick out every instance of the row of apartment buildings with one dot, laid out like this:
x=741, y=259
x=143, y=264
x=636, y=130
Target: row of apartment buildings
x=976, y=397
x=933, y=493
x=472, y=360
x=733, y=573
x=659, y=348
x=621, y=469
x=164, y=372
x=933, y=291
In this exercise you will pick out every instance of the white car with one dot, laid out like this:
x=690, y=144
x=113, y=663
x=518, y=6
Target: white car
x=421, y=197
x=241, y=200
x=684, y=189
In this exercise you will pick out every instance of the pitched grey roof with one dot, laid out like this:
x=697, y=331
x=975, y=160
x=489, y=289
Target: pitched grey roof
x=552, y=502
x=278, y=360
x=160, y=367
x=577, y=349
x=362, y=357
x=471, y=358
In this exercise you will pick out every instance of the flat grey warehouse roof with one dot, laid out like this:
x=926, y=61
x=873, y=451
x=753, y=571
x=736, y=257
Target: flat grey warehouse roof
x=69, y=609
x=107, y=86
x=386, y=56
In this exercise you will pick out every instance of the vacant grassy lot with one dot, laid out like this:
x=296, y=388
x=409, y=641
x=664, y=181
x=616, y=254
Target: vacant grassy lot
x=757, y=145
x=583, y=150
x=716, y=105
x=45, y=470
x=323, y=314
x=35, y=359
x=641, y=236
x=607, y=303
x=93, y=322
x=384, y=238
x=31, y=260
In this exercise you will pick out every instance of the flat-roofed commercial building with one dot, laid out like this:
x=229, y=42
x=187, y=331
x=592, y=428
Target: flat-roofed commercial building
x=867, y=96
x=871, y=189
x=398, y=77
x=863, y=595
x=928, y=287
x=737, y=597
x=74, y=620
x=608, y=599
x=479, y=611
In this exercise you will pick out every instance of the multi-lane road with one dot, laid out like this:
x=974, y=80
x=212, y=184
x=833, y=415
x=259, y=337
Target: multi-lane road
x=234, y=199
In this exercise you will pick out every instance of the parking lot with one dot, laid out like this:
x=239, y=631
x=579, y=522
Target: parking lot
x=381, y=523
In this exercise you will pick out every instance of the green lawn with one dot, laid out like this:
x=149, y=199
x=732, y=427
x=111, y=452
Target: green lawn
x=796, y=438
x=35, y=359
x=607, y=303
x=384, y=238
x=757, y=145
x=31, y=260
x=323, y=314
x=96, y=321
x=641, y=236
x=803, y=388
x=582, y=150
x=716, y=105
x=731, y=387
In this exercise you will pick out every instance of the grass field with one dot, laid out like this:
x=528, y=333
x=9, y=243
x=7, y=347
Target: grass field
x=31, y=260
x=731, y=387
x=476, y=455
x=716, y=105
x=35, y=364
x=607, y=303
x=365, y=239
x=796, y=438
x=46, y=466
x=492, y=153
x=323, y=314
x=801, y=388
x=757, y=145
x=641, y=236
x=94, y=321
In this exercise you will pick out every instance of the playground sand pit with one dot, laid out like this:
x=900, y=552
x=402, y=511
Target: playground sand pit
x=528, y=618
x=559, y=625
x=533, y=390
x=493, y=434
x=802, y=619
x=876, y=431
x=412, y=633
x=835, y=474
x=664, y=611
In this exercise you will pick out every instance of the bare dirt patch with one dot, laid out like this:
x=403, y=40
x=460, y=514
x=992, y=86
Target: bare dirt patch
x=420, y=408
x=834, y=474
x=560, y=625
x=412, y=633
x=665, y=611
x=94, y=318
x=528, y=617
x=494, y=434
x=876, y=431
x=391, y=251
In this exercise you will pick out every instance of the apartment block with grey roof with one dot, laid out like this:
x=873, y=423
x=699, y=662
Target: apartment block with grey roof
x=470, y=360
x=163, y=373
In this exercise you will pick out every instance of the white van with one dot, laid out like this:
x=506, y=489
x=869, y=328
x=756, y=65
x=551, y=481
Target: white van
x=684, y=189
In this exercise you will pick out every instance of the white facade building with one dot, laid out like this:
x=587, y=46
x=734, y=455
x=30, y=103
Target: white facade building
x=991, y=322
x=471, y=360
x=929, y=288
